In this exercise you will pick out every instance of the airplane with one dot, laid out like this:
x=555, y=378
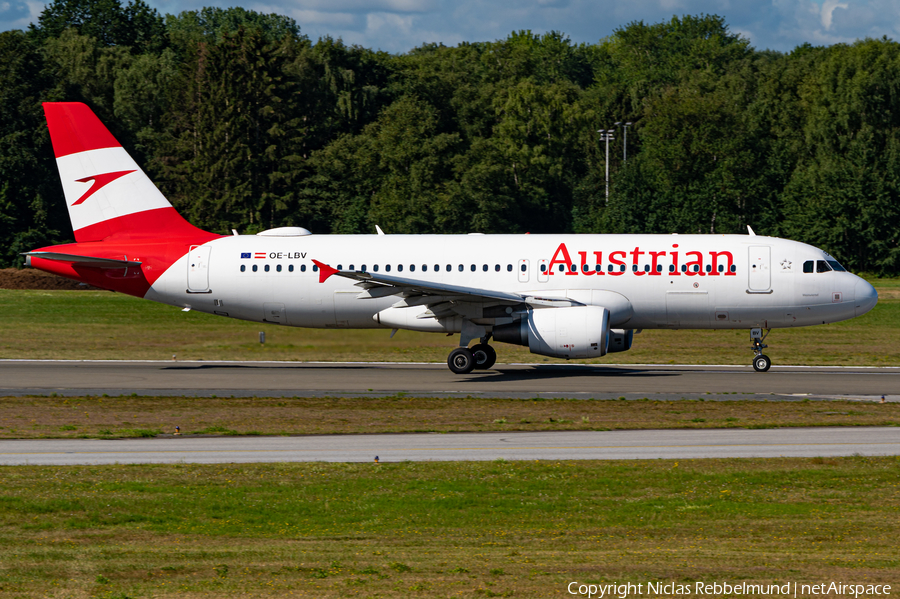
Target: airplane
x=563, y=296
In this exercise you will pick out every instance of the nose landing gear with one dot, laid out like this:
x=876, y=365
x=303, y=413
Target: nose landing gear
x=761, y=363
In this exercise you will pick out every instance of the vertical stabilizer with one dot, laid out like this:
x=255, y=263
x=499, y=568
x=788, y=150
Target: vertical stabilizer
x=107, y=193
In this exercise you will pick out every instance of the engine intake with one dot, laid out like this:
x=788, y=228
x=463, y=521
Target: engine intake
x=573, y=332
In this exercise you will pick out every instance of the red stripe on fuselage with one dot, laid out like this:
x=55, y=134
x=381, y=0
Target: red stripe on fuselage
x=156, y=238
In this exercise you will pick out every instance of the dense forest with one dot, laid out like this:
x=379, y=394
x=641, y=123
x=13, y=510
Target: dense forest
x=246, y=123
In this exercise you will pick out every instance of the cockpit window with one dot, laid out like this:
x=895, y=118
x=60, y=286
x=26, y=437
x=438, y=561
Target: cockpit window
x=836, y=266
x=822, y=266
x=809, y=266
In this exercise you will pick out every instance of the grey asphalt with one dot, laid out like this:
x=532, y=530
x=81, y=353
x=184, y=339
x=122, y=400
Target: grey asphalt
x=286, y=379
x=580, y=445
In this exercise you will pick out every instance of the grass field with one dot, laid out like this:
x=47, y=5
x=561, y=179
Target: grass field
x=471, y=530
x=468, y=530
x=103, y=325
x=114, y=417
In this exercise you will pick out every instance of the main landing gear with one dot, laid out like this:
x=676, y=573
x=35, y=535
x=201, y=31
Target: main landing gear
x=485, y=356
x=464, y=360
x=761, y=362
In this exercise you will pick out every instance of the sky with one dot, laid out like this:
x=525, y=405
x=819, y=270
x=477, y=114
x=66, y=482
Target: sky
x=399, y=25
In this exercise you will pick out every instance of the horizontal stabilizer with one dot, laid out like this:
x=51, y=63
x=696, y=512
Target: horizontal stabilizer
x=85, y=260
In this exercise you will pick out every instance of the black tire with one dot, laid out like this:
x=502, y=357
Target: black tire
x=461, y=360
x=485, y=356
x=761, y=363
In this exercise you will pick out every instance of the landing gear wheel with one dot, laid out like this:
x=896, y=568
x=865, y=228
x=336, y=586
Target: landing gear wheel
x=461, y=360
x=761, y=363
x=485, y=356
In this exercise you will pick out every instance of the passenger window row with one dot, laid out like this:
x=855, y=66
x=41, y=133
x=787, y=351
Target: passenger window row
x=434, y=268
x=509, y=268
x=387, y=268
x=635, y=268
x=278, y=268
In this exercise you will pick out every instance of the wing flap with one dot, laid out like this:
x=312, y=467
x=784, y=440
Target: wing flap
x=378, y=291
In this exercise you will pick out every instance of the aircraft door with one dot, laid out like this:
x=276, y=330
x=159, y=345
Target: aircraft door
x=760, y=276
x=543, y=273
x=198, y=269
x=522, y=269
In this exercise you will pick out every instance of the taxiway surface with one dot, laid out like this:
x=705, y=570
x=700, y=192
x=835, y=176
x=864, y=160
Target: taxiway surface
x=567, y=445
x=286, y=379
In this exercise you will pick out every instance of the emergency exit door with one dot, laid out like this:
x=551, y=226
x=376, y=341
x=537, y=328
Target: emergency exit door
x=522, y=269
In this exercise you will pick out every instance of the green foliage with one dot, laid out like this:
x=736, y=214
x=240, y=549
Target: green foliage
x=397, y=175
x=134, y=25
x=31, y=210
x=247, y=124
x=844, y=191
x=224, y=153
x=213, y=25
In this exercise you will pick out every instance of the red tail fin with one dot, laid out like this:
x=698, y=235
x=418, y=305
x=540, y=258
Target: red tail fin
x=107, y=193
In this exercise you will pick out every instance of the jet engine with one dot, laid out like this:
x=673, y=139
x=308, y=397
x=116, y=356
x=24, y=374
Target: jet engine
x=573, y=332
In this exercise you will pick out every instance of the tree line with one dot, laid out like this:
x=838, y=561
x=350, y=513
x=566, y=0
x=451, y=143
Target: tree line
x=246, y=123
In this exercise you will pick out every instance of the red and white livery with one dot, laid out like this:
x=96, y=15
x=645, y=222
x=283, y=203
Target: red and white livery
x=565, y=296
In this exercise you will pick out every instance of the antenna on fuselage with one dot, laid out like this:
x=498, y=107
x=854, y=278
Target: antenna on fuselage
x=750, y=232
x=378, y=229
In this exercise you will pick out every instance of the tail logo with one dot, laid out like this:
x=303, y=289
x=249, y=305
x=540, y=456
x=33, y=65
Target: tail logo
x=99, y=181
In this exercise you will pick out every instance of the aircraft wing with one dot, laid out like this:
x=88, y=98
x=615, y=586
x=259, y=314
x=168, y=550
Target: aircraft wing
x=418, y=292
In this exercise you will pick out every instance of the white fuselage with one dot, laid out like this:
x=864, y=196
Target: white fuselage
x=647, y=281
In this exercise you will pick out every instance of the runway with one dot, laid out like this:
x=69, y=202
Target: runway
x=276, y=379
x=580, y=445
x=288, y=379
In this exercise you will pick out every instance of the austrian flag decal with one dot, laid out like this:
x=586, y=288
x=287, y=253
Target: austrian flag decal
x=259, y=255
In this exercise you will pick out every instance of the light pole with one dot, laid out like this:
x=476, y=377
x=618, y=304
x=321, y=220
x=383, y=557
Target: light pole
x=624, y=139
x=607, y=136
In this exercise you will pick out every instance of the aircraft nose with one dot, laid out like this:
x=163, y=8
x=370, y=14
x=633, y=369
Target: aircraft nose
x=866, y=297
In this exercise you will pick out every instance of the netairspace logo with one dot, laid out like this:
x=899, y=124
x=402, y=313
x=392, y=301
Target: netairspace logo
x=718, y=589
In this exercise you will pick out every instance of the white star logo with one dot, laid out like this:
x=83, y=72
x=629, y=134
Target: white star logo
x=785, y=265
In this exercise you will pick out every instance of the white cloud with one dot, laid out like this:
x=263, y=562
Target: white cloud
x=328, y=19
x=828, y=11
x=383, y=23
x=18, y=15
x=368, y=6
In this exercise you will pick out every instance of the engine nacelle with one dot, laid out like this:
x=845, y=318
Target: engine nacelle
x=407, y=319
x=573, y=332
x=620, y=340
